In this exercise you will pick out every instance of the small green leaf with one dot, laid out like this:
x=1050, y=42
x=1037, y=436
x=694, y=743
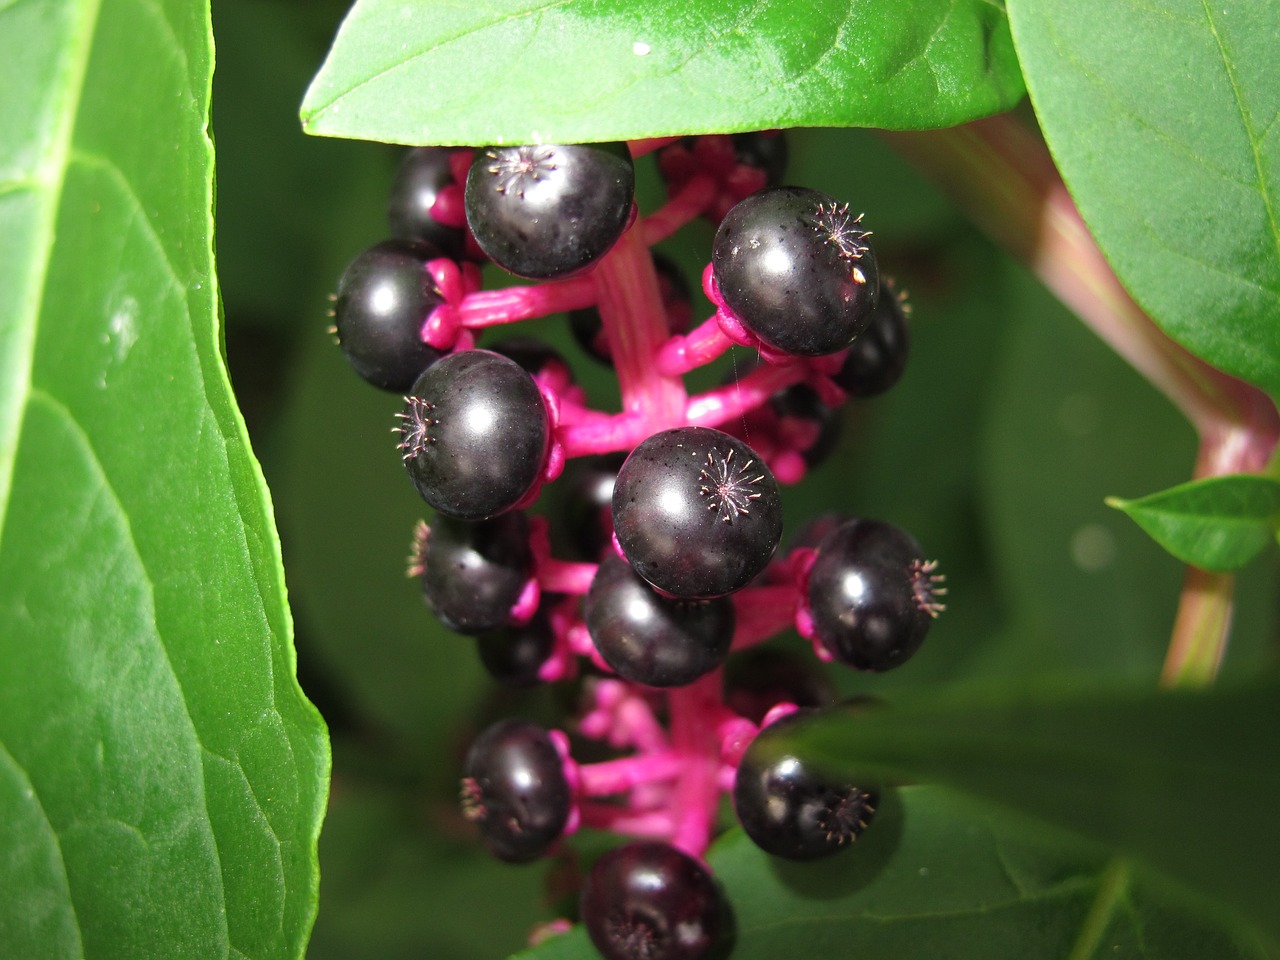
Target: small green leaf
x=1176, y=170
x=1182, y=783
x=938, y=876
x=1219, y=524
x=162, y=778
x=519, y=71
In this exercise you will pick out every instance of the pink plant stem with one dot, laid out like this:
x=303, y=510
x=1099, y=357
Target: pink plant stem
x=564, y=576
x=715, y=407
x=762, y=612
x=602, y=816
x=701, y=345
x=692, y=200
x=603, y=434
x=486, y=308
x=694, y=712
x=1003, y=176
x=619, y=776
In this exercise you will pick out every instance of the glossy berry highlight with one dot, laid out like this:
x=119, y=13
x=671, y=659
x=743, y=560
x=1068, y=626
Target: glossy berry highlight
x=515, y=791
x=788, y=807
x=696, y=512
x=543, y=211
x=796, y=268
x=650, y=901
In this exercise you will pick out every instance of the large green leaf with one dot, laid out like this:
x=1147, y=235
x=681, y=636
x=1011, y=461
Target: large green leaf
x=161, y=776
x=518, y=71
x=1183, y=783
x=1162, y=119
x=935, y=876
x=1219, y=523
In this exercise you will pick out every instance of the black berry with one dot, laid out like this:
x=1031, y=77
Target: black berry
x=474, y=434
x=382, y=300
x=795, y=267
x=757, y=680
x=788, y=808
x=650, y=639
x=423, y=173
x=696, y=512
x=877, y=358
x=514, y=656
x=474, y=571
x=872, y=595
x=515, y=791
x=547, y=211
x=649, y=901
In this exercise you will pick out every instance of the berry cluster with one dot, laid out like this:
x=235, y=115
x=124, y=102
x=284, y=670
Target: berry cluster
x=674, y=504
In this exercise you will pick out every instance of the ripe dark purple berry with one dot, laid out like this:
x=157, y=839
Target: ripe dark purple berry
x=549, y=210
x=423, y=173
x=791, y=810
x=757, y=680
x=650, y=639
x=382, y=300
x=474, y=434
x=649, y=901
x=877, y=358
x=696, y=512
x=514, y=789
x=795, y=267
x=474, y=571
x=872, y=595
x=514, y=656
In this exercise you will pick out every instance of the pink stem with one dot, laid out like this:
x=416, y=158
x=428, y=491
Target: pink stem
x=486, y=308
x=685, y=352
x=564, y=576
x=715, y=407
x=694, y=198
x=619, y=776
x=603, y=434
x=763, y=612
x=694, y=711
x=602, y=816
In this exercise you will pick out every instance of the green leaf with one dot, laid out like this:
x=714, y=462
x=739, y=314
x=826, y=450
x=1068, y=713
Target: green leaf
x=162, y=777
x=937, y=876
x=1176, y=170
x=1220, y=523
x=518, y=71
x=1182, y=783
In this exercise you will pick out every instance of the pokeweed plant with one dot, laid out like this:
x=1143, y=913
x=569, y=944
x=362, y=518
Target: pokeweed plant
x=163, y=778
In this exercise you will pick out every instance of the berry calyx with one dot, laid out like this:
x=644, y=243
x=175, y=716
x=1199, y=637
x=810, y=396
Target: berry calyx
x=650, y=639
x=788, y=808
x=514, y=789
x=795, y=267
x=872, y=595
x=544, y=211
x=650, y=901
x=382, y=300
x=474, y=434
x=696, y=512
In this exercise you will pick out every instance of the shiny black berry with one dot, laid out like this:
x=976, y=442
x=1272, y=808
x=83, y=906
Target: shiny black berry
x=872, y=594
x=587, y=503
x=795, y=267
x=473, y=571
x=650, y=639
x=382, y=300
x=474, y=434
x=649, y=901
x=423, y=173
x=757, y=680
x=790, y=809
x=549, y=210
x=514, y=656
x=696, y=512
x=877, y=358
x=514, y=789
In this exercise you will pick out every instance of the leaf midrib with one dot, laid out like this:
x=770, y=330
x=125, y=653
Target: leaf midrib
x=50, y=171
